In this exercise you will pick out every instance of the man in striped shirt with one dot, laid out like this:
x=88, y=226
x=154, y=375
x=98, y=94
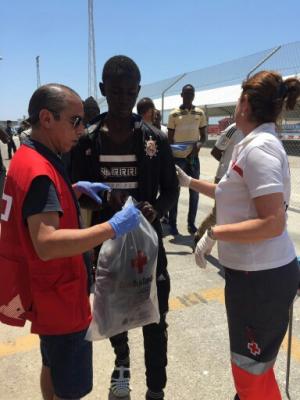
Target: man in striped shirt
x=133, y=158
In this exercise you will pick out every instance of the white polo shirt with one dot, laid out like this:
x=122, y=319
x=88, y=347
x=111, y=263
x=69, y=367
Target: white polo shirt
x=259, y=166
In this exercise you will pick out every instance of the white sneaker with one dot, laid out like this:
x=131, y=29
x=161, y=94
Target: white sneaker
x=119, y=383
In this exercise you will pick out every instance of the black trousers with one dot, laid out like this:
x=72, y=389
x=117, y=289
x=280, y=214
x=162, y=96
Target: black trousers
x=11, y=146
x=155, y=341
x=257, y=305
x=192, y=167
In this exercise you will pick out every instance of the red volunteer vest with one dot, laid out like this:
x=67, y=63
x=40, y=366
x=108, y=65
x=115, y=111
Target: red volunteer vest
x=52, y=294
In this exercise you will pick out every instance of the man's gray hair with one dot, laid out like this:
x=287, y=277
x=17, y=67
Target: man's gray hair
x=51, y=97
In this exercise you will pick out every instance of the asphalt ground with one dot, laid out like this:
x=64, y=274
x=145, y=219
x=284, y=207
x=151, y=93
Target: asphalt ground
x=198, y=354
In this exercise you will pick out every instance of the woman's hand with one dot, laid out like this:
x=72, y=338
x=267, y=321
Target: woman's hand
x=183, y=178
x=203, y=248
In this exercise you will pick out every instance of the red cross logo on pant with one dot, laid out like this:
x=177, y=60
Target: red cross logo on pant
x=139, y=262
x=254, y=348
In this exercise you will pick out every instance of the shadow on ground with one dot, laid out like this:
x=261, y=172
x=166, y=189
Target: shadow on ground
x=183, y=240
x=215, y=262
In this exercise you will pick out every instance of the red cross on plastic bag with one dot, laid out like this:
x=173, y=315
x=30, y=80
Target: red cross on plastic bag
x=139, y=262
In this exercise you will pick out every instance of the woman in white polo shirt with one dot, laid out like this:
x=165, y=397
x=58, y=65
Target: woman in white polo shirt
x=261, y=269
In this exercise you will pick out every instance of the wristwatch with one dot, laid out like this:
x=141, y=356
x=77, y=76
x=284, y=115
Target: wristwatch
x=210, y=233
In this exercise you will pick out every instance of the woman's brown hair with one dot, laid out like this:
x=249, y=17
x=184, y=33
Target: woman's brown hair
x=267, y=94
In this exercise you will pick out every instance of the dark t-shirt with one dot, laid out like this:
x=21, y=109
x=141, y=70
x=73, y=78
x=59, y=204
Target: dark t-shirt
x=41, y=197
x=9, y=131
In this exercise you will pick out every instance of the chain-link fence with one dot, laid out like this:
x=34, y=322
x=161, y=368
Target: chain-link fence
x=218, y=88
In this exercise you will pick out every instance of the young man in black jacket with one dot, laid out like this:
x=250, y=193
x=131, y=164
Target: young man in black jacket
x=135, y=159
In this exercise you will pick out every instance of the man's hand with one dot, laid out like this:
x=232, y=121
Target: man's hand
x=196, y=148
x=148, y=211
x=91, y=189
x=203, y=248
x=117, y=199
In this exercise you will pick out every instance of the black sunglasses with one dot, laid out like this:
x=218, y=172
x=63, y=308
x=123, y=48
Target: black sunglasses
x=76, y=121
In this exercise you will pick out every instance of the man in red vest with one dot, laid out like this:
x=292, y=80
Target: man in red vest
x=44, y=272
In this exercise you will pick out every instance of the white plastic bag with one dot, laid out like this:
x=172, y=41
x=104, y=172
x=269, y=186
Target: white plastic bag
x=125, y=289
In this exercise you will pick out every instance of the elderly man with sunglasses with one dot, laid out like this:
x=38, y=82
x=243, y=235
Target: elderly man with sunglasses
x=44, y=267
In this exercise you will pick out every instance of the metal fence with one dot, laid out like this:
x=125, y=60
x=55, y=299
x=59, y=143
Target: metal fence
x=285, y=59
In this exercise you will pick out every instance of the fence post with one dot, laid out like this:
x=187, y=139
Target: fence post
x=163, y=96
x=263, y=60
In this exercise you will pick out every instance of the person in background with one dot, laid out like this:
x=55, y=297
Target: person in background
x=163, y=129
x=187, y=124
x=24, y=131
x=134, y=159
x=11, y=146
x=91, y=110
x=261, y=267
x=145, y=108
x=42, y=239
x=222, y=151
x=4, y=139
x=157, y=122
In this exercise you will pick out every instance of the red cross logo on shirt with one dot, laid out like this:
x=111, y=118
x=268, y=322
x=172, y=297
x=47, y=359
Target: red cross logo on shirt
x=139, y=262
x=237, y=169
x=254, y=348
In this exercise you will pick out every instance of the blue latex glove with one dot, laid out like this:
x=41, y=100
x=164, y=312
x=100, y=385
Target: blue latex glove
x=92, y=189
x=125, y=220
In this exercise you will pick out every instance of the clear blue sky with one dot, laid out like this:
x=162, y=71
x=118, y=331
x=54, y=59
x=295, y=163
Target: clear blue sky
x=164, y=37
